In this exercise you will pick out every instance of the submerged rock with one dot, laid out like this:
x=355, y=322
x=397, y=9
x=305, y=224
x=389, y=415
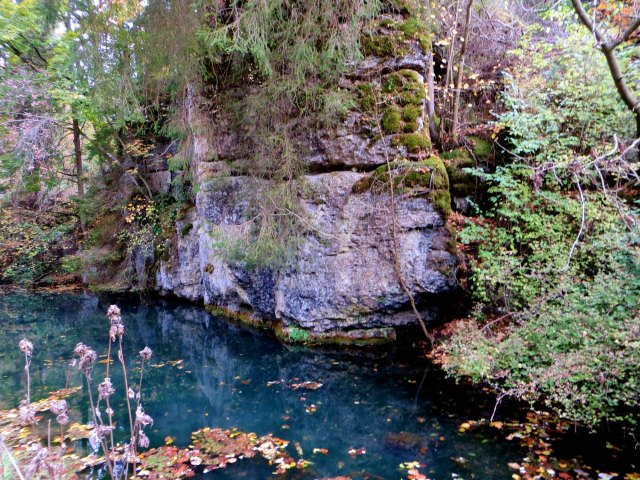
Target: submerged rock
x=406, y=441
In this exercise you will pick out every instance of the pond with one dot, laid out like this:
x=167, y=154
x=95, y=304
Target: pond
x=389, y=405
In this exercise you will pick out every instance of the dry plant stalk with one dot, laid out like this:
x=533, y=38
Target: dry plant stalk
x=118, y=458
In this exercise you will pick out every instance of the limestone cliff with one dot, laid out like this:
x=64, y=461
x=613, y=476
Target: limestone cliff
x=340, y=280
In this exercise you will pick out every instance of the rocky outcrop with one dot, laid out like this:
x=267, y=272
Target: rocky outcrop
x=342, y=276
x=340, y=281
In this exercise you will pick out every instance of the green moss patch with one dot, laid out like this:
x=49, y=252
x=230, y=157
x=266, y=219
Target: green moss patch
x=391, y=121
x=411, y=113
x=347, y=338
x=482, y=149
x=383, y=46
x=462, y=183
x=367, y=96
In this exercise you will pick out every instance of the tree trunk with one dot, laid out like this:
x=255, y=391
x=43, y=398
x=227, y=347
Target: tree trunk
x=463, y=51
x=431, y=101
x=78, y=154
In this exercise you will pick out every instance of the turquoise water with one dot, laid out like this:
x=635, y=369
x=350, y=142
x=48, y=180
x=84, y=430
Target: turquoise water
x=207, y=372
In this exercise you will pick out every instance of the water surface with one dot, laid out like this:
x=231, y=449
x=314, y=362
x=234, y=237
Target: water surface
x=207, y=372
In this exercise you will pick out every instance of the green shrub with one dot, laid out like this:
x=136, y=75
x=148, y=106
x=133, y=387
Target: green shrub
x=578, y=353
x=71, y=264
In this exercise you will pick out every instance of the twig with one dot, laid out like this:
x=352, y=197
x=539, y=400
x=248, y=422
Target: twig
x=496, y=320
x=495, y=407
x=582, y=224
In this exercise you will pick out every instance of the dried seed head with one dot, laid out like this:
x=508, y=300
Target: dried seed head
x=80, y=349
x=87, y=360
x=58, y=407
x=142, y=419
x=113, y=311
x=27, y=414
x=146, y=353
x=26, y=347
x=143, y=440
x=116, y=329
x=105, y=389
x=62, y=419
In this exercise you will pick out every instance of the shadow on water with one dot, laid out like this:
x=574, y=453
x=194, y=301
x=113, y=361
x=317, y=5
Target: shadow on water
x=206, y=372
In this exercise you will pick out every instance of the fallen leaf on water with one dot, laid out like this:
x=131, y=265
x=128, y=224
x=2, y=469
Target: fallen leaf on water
x=357, y=451
x=306, y=385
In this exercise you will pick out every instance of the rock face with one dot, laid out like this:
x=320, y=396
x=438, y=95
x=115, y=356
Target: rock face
x=341, y=278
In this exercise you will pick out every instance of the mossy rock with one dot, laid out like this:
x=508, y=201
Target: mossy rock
x=429, y=173
x=457, y=154
x=410, y=27
x=396, y=38
x=404, y=7
x=441, y=200
x=367, y=95
x=412, y=97
x=452, y=241
x=362, y=186
x=388, y=23
x=417, y=30
x=383, y=46
x=413, y=142
x=350, y=338
x=462, y=183
x=426, y=176
x=410, y=127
